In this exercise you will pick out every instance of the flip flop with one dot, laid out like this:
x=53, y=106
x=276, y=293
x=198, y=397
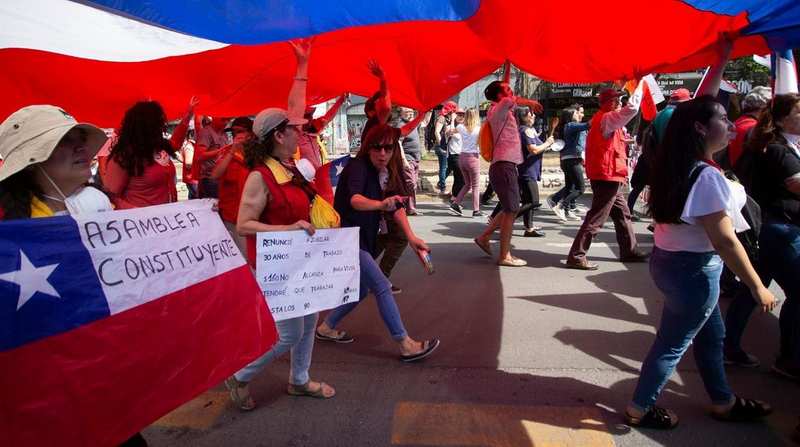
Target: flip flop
x=304, y=390
x=343, y=337
x=430, y=346
x=485, y=248
x=513, y=262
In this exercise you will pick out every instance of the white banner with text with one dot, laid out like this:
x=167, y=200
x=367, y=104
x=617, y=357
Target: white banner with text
x=301, y=274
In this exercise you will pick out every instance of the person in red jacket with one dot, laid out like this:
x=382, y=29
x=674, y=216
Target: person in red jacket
x=752, y=105
x=230, y=172
x=607, y=169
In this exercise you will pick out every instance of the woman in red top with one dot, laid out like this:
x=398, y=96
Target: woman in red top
x=140, y=171
x=230, y=173
x=276, y=198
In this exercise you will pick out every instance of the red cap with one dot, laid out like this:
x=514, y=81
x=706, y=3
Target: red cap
x=449, y=107
x=608, y=94
x=680, y=95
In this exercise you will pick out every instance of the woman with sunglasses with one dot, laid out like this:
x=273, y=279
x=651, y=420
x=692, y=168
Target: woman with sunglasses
x=370, y=190
x=276, y=198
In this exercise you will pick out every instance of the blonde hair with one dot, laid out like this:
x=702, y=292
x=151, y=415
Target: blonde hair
x=472, y=120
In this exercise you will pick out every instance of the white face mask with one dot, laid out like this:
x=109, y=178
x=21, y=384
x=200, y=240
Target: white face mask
x=85, y=200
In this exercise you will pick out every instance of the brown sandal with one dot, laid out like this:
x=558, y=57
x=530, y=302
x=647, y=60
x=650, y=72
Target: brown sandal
x=304, y=390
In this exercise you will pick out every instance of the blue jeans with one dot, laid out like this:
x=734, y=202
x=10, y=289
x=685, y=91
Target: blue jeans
x=442, y=156
x=295, y=334
x=690, y=284
x=780, y=253
x=373, y=279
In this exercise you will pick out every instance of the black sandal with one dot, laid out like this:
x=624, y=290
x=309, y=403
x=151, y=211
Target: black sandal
x=656, y=417
x=744, y=410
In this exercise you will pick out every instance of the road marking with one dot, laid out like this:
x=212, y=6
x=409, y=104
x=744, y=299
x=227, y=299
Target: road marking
x=429, y=424
x=199, y=413
x=595, y=244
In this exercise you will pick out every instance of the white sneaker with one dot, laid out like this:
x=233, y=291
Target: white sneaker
x=550, y=202
x=572, y=216
x=559, y=212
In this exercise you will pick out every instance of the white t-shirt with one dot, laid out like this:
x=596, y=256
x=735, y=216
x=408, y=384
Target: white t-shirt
x=454, y=144
x=711, y=193
x=469, y=141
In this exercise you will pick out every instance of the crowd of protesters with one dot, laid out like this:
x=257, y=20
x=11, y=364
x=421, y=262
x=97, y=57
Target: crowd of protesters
x=690, y=154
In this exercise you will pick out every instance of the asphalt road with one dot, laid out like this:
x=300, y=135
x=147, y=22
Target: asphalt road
x=538, y=355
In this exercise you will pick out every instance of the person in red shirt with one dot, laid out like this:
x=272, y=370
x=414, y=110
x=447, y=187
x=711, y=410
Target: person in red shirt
x=140, y=171
x=752, y=105
x=230, y=173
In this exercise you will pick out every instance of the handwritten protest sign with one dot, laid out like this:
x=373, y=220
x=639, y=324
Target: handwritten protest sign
x=301, y=274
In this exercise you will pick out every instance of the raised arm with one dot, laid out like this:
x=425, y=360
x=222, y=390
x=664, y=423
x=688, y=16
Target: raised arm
x=713, y=79
x=179, y=134
x=617, y=119
x=383, y=106
x=507, y=72
x=297, y=95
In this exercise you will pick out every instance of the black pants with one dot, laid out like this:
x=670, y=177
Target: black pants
x=529, y=190
x=458, y=178
x=487, y=195
x=574, y=185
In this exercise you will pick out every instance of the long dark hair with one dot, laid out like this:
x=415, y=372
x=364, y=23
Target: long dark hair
x=141, y=135
x=256, y=150
x=675, y=157
x=767, y=129
x=376, y=135
x=16, y=195
x=567, y=116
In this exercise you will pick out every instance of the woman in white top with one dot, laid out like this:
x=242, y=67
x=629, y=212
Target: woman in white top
x=697, y=211
x=469, y=162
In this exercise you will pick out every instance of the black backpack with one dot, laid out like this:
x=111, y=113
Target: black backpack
x=751, y=213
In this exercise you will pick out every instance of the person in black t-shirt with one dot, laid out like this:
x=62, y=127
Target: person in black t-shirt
x=770, y=171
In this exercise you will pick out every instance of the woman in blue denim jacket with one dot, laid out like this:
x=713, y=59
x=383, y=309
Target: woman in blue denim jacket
x=697, y=211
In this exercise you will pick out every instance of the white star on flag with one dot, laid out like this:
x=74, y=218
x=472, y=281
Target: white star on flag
x=339, y=169
x=31, y=279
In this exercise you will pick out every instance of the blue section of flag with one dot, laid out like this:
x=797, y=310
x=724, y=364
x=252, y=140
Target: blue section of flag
x=337, y=166
x=777, y=20
x=47, y=242
x=267, y=21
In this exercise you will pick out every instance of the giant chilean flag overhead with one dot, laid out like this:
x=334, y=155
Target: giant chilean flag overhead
x=95, y=58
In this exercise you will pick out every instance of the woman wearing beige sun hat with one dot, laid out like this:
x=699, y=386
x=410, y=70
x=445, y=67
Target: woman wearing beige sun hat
x=47, y=157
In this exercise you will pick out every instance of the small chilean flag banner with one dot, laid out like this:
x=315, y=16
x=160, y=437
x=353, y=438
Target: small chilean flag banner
x=110, y=320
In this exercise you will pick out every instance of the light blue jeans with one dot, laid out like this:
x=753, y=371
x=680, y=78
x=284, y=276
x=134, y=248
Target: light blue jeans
x=690, y=284
x=295, y=334
x=373, y=279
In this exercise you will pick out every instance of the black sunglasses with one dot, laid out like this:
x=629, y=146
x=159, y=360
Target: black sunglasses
x=389, y=147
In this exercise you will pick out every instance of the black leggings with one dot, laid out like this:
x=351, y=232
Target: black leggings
x=573, y=182
x=529, y=190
